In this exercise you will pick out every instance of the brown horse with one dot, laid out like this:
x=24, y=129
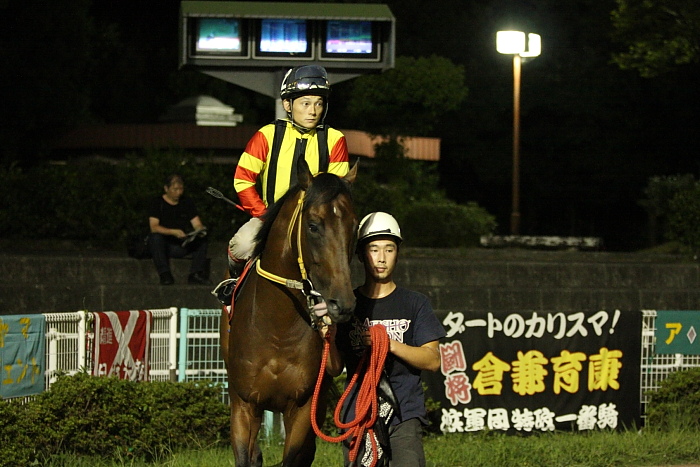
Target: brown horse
x=271, y=349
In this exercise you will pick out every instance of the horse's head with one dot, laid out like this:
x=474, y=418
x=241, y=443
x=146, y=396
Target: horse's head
x=328, y=236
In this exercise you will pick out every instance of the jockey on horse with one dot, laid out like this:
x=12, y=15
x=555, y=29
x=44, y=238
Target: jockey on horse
x=271, y=158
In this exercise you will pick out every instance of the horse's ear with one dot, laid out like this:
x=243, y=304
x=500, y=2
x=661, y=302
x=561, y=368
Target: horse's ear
x=352, y=174
x=304, y=175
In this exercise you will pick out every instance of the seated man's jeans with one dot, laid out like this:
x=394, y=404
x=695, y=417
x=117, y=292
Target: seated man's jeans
x=164, y=247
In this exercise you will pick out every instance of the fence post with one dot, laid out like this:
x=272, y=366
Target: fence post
x=182, y=360
x=52, y=349
x=172, y=345
x=82, y=331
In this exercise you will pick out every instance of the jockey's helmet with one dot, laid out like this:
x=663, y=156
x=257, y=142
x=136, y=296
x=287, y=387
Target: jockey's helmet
x=306, y=80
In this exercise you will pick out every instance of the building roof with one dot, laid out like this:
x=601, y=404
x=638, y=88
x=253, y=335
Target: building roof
x=226, y=140
x=306, y=10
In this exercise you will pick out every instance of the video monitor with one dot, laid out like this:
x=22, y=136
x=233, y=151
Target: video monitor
x=347, y=40
x=283, y=38
x=219, y=37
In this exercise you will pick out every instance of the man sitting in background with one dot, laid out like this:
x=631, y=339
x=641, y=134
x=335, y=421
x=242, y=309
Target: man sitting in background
x=170, y=217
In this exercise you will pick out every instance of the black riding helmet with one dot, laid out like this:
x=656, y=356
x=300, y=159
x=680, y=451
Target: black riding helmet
x=306, y=80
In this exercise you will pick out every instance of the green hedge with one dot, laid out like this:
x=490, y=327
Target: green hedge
x=676, y=404
x=446, y=224
x=105, y=203
x=409, y=190
x=16, y=444
x=85, y=415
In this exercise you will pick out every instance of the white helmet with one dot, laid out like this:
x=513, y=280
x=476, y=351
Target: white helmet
x=376, y=224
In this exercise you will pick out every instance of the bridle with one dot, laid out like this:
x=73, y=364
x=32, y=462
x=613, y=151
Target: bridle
x=305, y=285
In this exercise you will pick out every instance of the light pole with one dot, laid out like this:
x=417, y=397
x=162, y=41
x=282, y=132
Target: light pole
x=515, y=43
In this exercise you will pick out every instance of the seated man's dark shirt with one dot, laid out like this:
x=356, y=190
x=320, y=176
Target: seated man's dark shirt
x=174, y=217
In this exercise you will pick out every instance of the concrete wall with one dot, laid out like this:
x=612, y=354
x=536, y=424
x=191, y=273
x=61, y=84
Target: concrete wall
x=480, y=279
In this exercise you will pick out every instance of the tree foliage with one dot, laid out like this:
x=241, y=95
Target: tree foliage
x=684, y=219
x=409, y=190
x=657, y=35
x=592, y=133
x=673, y=204
x=409, y=98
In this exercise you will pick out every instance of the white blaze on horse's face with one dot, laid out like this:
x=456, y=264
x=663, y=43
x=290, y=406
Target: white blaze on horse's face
x=328, y=252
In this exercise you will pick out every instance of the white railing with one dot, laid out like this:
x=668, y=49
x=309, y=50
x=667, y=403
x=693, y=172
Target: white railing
x=187, y=349
x=65, y=344
x=656, y=367
x=69, y=341
x=200, y=357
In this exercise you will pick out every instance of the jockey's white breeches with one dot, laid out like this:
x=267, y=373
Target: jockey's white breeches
x=242, y=244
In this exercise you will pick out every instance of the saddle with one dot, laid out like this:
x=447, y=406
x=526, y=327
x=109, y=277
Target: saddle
x=227, y=291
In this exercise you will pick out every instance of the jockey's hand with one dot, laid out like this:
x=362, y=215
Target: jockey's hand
x=178, y=233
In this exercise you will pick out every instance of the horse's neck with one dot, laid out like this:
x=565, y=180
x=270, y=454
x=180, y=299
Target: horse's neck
x=279, y=257
x=280, y=253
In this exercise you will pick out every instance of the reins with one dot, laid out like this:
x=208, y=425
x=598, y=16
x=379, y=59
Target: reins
x=367, y=403
x=305, y=285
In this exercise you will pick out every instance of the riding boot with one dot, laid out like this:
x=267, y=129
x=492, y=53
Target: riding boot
x=224, y=290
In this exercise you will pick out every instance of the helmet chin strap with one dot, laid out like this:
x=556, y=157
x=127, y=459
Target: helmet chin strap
x=300, y=128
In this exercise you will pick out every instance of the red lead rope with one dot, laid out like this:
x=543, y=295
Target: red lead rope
x=366, y=405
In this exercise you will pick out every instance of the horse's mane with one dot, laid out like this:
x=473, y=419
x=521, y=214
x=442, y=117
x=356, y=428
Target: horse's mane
x=324, y=189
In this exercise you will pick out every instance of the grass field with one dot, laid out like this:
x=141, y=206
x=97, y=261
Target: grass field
x=595, y=449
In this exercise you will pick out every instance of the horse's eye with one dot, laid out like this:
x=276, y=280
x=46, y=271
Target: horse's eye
x=313, y=228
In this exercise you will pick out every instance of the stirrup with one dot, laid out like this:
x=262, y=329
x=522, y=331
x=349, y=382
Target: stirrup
x=224, y=290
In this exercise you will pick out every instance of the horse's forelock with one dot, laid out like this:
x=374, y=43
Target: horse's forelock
x=324, y=189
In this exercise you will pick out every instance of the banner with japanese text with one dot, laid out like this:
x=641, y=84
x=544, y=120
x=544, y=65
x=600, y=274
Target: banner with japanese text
x=22, y=355
x=677, y=332
x=122, y=343
x=523, y=372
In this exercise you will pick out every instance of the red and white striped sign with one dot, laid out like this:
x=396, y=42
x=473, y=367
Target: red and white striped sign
x=122, y=342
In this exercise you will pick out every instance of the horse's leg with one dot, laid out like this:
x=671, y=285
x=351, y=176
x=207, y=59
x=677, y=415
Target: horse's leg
x=300, y=442
x=224, y=330
x=245, y=424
